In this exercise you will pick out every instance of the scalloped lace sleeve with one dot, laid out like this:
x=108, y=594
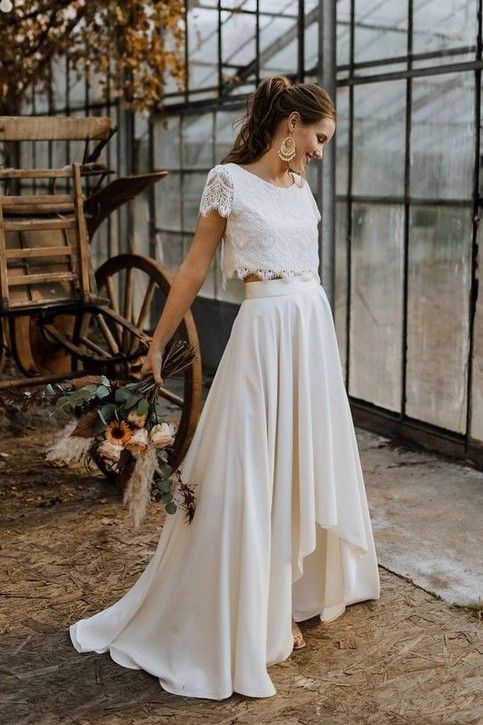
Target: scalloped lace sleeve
x=218, y=192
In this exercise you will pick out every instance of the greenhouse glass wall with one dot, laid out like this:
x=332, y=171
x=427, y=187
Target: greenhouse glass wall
x=400, y=194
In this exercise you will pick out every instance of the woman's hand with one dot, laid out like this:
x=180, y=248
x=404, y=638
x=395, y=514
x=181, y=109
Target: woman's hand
x=152, y=363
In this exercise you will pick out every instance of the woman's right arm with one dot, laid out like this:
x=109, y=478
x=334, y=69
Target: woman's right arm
x=186, y=284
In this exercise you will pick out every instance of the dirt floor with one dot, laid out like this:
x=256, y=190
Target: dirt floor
x=68, y=549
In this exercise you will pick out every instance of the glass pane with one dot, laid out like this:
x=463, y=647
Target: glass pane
x=225, y=133
x=197, y=141
x=290, y=7
x=41, y=102
x=139, y=208
x=376, y=304
x=441, y=25
x=446, y=60
x=167, y=195
x=476, y=423
x=111, y=149
x=59, y=154
x=169, y=250
x=77, y=89
x=438, y=284
x=191, y=194
x=311, y=45
x=58, y=71
x=379, y=139
x=341, y=139
x=235, y=4
x=380, y=29
x=99, y=245
x=343, y=31
x=203, y=47
x=341, y=267
x=237, y=39
x=272, y=29
x=442, y=136
x=375, y=70
x=282, y=56
x=166, y=144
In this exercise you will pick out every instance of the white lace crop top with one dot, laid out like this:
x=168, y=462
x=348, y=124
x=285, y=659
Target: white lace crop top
x=270, y=230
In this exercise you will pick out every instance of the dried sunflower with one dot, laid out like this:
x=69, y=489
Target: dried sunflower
x=118, y=433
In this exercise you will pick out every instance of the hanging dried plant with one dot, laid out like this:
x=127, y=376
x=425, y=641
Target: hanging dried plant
x=129, y=47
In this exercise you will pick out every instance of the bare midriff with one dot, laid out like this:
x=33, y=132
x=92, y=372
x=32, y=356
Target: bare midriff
x=254, y=278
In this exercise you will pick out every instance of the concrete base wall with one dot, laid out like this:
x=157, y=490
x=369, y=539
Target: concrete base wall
x=214, y=320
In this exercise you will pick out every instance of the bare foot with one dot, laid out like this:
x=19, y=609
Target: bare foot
x=298, y=640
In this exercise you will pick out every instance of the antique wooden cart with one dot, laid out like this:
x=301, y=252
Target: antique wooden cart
x=59, y=318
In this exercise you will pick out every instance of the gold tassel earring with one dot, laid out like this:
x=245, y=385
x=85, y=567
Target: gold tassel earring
x=286, y=150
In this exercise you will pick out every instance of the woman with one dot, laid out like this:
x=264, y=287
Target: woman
x=281, y=531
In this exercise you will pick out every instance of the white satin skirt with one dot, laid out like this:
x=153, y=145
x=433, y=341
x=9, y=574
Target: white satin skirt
x=282, y=526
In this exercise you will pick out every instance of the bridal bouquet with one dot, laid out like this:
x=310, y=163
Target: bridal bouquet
x=119, y=427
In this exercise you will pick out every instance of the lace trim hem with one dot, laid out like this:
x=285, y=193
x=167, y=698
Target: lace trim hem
x=265, y=274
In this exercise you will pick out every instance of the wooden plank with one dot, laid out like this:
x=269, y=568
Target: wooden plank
x=38, y=203
x=83, y=240
x=52, y=303
x=53, y=208
x=38, y=199
x=40, y=380
x=51, y=128
x=39, y=252
x=3, y=266
x=42, y=278
x=36, y=225
x=35, y=173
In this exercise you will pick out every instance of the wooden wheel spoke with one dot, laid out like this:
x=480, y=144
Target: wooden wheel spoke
x=108, y=283
x=148, y=297
x=132, y=283
x=171, y=397
x=127, y=310
x=95, y=348
x=111, y=294
x=144, y=311
x=108, y=335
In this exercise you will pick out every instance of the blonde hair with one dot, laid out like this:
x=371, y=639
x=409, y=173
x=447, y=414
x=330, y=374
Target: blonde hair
x=274, y=99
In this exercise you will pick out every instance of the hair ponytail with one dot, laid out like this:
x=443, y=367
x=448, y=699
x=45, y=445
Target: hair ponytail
x=274, y=99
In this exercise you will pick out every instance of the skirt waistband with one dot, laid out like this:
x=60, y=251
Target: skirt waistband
x=284, y=286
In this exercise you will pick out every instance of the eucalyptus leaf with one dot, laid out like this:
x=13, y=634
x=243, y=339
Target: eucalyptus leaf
x=99, y=425
x=163, y=485
x=143, y=406
x=131, y=402
x=164, y=469
x=105, y=381
x=171, y=508
x=108, y=410
x=121, y=395
x=63, y=399
x=91, y=389
x=102, y=392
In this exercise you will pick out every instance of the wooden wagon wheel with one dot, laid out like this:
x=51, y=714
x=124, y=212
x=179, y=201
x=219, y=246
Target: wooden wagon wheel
x=112, y=338
x=4, y=346
x=34, y=354
x=137, y=288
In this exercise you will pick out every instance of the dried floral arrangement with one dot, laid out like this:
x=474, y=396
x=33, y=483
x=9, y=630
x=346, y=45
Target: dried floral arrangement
x=119, y=428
